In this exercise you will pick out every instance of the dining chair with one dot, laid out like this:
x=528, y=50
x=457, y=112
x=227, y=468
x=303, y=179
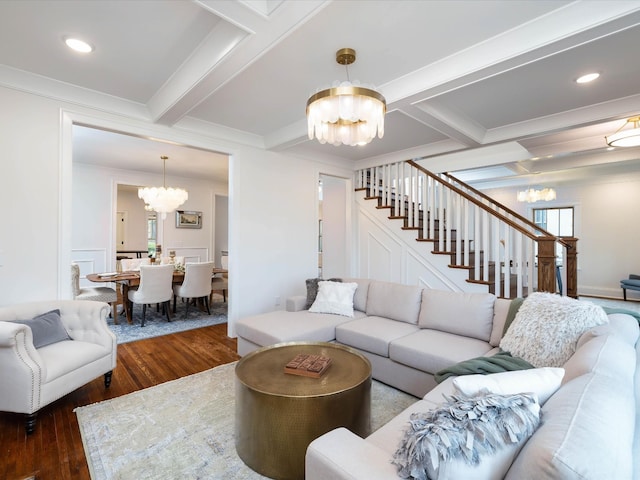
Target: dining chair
x=98, y=294
x=131, y=264
x=155, y=287
x=196, y=285
x=220, y=282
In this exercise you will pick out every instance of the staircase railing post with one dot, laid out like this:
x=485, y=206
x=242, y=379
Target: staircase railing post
x=572, y=266
x=546, y=264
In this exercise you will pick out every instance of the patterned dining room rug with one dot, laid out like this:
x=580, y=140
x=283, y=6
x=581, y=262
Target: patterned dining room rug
x=156, y=323
x=184, y=429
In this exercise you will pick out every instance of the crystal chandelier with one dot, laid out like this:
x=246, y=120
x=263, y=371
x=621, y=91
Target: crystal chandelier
x=626, y=138
x=347, y=113
x=163, y=199
x=531, y=195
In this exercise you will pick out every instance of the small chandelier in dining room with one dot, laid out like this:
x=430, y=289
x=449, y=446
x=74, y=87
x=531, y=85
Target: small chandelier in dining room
x=162, y=199
x=532, y=195
x=346, y=113
x=626, y=138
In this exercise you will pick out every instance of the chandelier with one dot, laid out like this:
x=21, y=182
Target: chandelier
x=531, y=195
x=347, y=113
x=626, y=138
x=163, y=199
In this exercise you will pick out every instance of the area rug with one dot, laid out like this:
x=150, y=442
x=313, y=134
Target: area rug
x=184, y=429
x=156, y=323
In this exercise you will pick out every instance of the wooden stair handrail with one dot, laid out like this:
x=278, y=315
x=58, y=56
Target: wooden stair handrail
x=481, y=205
x=508, y=210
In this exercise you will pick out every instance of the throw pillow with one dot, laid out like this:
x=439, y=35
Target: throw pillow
x=543, y=382
x=46, y=328
x=334, y=297
x=467, y=437
x=312, y=290
x=546, y=329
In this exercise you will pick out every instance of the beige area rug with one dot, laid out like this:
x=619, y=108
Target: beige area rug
x=183, y=429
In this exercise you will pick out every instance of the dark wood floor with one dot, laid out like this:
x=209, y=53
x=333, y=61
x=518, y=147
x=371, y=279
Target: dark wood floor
x=54, y=451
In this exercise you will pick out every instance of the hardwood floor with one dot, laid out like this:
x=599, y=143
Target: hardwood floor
x=54, y=451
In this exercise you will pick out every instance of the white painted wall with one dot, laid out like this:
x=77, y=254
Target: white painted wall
x=272, y=206
x=93, y=215
x=221, y=236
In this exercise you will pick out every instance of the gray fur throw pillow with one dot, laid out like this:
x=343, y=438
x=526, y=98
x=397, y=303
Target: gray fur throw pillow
x=465, y=432
x=312, y=289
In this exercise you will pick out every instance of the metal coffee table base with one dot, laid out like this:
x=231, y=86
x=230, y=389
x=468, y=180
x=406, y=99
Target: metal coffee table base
x=274, y=428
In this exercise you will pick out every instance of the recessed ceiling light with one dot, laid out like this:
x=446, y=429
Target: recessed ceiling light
x=589, y=77
x=78, y=45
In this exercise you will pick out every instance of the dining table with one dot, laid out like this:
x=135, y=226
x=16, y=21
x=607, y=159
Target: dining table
x=131, y=279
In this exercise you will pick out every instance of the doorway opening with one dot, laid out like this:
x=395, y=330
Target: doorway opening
x=333, y=244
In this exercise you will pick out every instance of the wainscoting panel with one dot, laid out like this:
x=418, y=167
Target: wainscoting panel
x=380, y=254
x=388, y=253
x=90, y=260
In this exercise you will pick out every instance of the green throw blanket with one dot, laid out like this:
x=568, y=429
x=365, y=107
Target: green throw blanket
x=500, y=362
x=610, y=310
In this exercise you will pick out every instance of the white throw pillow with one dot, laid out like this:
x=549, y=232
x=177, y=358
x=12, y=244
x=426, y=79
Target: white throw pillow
x=547, y=327
x=334, y=297
x=543, y=382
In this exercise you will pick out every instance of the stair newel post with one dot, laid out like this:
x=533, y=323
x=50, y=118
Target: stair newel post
x=571, y=266
x=547, y=264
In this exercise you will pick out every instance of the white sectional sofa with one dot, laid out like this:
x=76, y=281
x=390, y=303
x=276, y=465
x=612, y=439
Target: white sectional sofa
x=403, y=330
x=590, y=426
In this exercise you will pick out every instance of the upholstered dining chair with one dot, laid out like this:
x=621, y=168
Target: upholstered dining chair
x=220, y=282
x=130, y=264
x=98, y=294
x=155, y=287
x=196, y=285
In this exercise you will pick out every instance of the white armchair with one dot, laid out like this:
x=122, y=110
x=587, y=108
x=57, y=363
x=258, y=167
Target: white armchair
x=30, y=377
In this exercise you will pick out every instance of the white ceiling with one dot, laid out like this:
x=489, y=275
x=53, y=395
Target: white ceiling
x=493, y=76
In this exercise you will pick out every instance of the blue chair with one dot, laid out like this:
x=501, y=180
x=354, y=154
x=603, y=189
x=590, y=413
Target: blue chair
x=632, y=283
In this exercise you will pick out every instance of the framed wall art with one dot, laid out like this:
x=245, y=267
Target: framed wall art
x=188, y=219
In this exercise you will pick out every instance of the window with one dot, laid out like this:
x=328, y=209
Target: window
x=556, y=221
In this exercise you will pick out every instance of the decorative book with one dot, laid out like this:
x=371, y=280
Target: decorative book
x=308, y=365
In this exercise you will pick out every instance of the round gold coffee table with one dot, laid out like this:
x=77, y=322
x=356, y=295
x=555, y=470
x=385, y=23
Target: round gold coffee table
x=279, y=414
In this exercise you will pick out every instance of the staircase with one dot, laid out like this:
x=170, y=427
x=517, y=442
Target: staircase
x=498, y=247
